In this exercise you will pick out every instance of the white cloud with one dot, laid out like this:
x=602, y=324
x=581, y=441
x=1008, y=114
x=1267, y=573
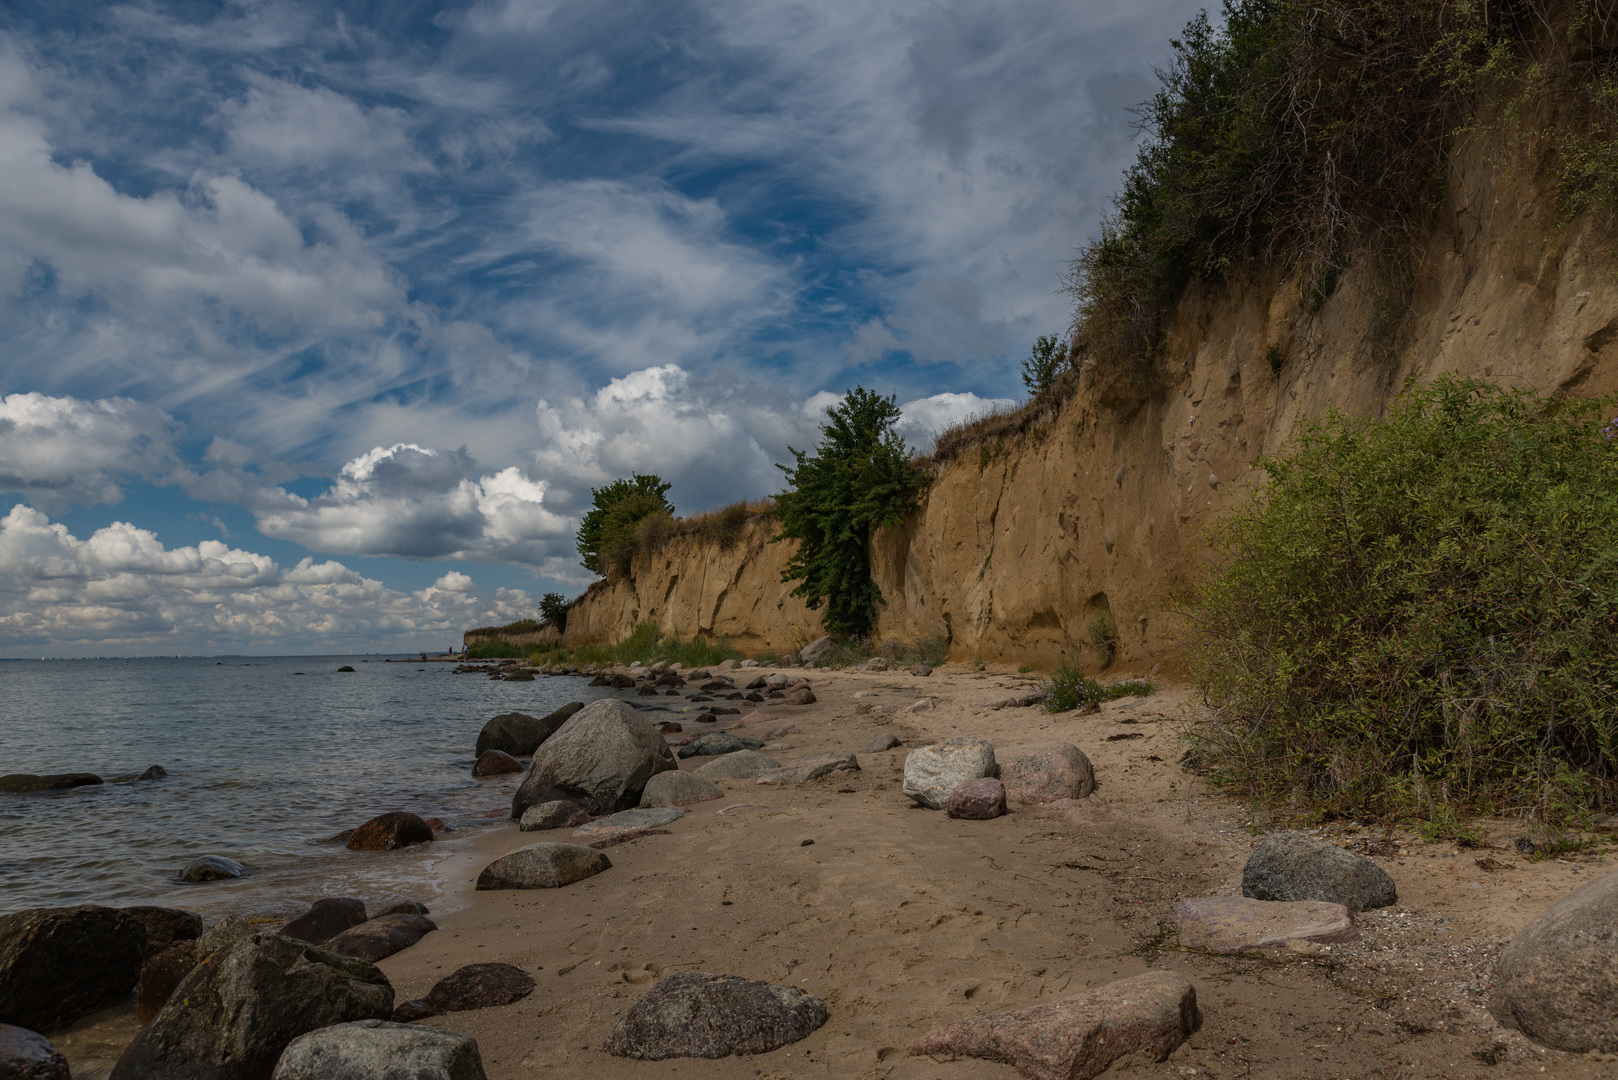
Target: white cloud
x=122, y=589
x=62, y=451
x=290, y=125
x=926, y=418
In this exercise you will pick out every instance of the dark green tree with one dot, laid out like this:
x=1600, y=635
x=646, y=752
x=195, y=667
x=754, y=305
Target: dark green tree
x=607, y=535
x=553, y=610
x=859, y=479
x=1044, y=363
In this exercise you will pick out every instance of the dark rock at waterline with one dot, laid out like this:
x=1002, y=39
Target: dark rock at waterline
x=387, y=832
x=408, y=1012
x=496, y=763
x=345, y=667
x=519, y=734
x=601, y=757
x=695, y=1014
x=56, y=964
x=28, y=1055
x=480, y=986
x=381, y=937
x=212, y=868
x=1291, y=866
x=556, y=814
x=161, y=974
x=26, y=783
x=233, y=1014
x=408, y=907
x=543, y=866
x=381, y=1050
x=325, y=919
x=166, y=925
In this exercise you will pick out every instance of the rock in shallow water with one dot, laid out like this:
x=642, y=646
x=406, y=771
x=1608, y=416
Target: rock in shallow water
x=519, y=734
x=601, y=757
x=1291, y=866
x=1557, y=982
x=1234, y=924
x=381, y=1050
x=1079, y=1037
x=543, y=866
x=692, y=1014
x=28, y=1055
x=388, y=832
x=56, y=964
x=495, y=763
x=325, y=919
x=166, y=925
x=678, y=789
x=24, y=783
x=212, y=868
x=160, y=975
x=381, y=937
x=977, y=800
x=480, y=986
x=932, y=772
x=556, y=814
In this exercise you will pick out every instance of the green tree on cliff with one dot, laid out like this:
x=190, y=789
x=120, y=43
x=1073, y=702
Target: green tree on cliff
x=859, y=479
x=608, y=534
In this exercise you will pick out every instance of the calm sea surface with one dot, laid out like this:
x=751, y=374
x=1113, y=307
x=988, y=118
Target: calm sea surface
x=265, y=756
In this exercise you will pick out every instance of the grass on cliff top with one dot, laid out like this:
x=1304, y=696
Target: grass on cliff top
x=1418, y=617
x=647, y=644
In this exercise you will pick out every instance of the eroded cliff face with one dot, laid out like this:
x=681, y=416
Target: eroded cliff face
x=1107, y=506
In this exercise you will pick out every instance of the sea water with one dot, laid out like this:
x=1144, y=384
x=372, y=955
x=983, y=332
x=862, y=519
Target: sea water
x=266, y=757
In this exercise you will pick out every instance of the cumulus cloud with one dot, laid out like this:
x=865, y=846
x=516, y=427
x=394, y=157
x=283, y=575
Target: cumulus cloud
x=122, y=588
x=62, y=451
x=926, y=418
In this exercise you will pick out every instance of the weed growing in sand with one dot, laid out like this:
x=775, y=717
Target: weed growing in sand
x=1068, y=688
x=648, y=645
x=859, y=650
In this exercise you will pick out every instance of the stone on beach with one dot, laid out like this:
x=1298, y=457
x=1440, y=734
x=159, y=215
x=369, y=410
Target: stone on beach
x=325, y=919
x=801, y=696
x=932, y=772
x=56, y=964
x=1557, y=982
x=234, y=1014
x=816, y=648
x=495, y=763
x=1234, y=924
x=212, y=868
x=626, y=825
x=601, y=757
x=919, y=706
x=556, y=814
x=1291, y=866
x=678, y=789
x=922, y=670
x=715, y=743
x=28, y=1055
x=407, y=907
x=543, y=866
x=1079, y=1037
x=810, y=768
x=480, y=986
x=390, y=831
x=166, y=925
x=742, y=765
x=1044, y=772
x=381, y=1050
x=519, y=734
x=977, y=800
x=696, y=1014
x=883, y=742
x=381, y=937
x=160, y=974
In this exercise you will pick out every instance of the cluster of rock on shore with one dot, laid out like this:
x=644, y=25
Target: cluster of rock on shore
x=308, y=1001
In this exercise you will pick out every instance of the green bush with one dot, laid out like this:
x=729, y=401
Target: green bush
x=1104, y=634
x=553, y=609
x=859, y=479
x=609, y=534
x=1068, y=688
x=495, y=650
x=648, y=645
x=1420, y=615
x=857, y=650
x=724, y=526
x=1045, y=361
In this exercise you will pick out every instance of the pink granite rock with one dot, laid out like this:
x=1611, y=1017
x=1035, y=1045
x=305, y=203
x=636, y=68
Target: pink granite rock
x=977, y=800
x=1044, y=772
x=1233, y=924
x=1079, y=1037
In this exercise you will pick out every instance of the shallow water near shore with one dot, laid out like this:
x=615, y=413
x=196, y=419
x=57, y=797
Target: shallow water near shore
x=265, y=757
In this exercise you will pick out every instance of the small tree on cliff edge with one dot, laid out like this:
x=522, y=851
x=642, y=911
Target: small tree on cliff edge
x=859, y=479
x=608, y=533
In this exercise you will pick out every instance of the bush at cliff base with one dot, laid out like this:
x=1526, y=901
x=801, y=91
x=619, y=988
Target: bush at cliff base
x=1417, y=615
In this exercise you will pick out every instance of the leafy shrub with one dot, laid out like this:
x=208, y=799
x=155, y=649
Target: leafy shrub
x=1103, y=634
x=1422, y=613
x=609, y=534
x=724, y=526
x=647, y=644
x=1044, y=363
x=859, y=479
x=857, y=650
x=553, y=609
x=498, y=649
x=1070, y=688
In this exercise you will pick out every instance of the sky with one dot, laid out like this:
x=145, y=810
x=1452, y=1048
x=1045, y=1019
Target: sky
x=320, y=321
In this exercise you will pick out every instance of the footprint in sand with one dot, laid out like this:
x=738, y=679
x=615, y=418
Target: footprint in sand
x=637, y=973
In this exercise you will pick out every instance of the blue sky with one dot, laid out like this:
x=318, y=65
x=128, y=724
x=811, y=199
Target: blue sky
x=319, y=321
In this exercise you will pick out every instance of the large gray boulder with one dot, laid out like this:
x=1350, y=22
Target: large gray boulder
x=232, y=1017
x=28, y=1055
x=519, y=734
x=56, y=964
x=1291, y=866
x=601, y=757
x=1557, y=982
x=742, y=765
x=380, y=1050
x=696, y=1014
x=543, y=866
x=932, y=772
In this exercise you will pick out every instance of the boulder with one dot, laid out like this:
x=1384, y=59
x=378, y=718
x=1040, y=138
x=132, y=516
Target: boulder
x=1044, y=772
x=1234, y=924
x=480, y=986
x=381, y=1050
x=325, y=919
x=556, y=814
x=695, y=1014
x=977, y=800
x=212, y=868
x=234, y=1014
x=390, y=831
x=678, y=789
x=25, y=783
x=728, y=665
x=932, y=772
x=56, y=964
x=758, y=683
x=717, y=742
x=815, y=649
x=160, y=974
x=1557, y=982
x=883, y=742
x=495, y=763
x=381, y=937
x=626, y=825
x=407, y=907
x=801, y=696
x=810, y=768
x=166, y=925
x=876, y=663
x=28, y=1055
x=408, y=1012
x=1291, y=866
x=601, y=757
x=1079, y=1037
x=742, y=765
x=921, y=705
x=922, y=670
x=519, y=734
x=543, y=866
